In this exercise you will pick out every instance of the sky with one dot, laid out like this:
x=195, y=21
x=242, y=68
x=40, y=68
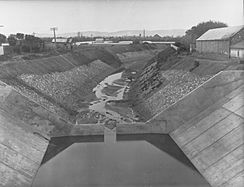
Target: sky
x=112, y=15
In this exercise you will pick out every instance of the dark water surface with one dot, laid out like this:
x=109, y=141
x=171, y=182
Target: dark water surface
x=125, y=160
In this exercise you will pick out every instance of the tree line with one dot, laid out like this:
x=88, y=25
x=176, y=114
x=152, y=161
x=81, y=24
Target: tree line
x=29, y=43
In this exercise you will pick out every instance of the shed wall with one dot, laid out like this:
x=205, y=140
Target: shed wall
x=221, y=47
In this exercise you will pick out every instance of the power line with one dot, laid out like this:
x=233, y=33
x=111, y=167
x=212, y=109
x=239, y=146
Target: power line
x=54, y=32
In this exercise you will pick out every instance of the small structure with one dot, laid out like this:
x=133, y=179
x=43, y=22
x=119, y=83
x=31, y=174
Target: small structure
x=125, y=42
x=237, y=50
x=1, y=51
x=174, y=47
x=220, y=40
x=63, y=42
x=157, y=36
x=99, y=40
x=4, y=48
x=192, y=47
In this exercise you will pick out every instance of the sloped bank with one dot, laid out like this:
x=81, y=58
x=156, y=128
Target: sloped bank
x=64, y=83
x=72, y=87
x=168, y=77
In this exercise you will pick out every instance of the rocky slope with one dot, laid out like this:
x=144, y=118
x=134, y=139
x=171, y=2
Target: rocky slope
x=168, y=77
x=63, y=84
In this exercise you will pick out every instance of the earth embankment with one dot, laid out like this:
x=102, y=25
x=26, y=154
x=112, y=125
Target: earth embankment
x=63, y=83
x=170, y=76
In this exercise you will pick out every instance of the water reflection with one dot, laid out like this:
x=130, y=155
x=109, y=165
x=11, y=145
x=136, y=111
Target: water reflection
x=128, y=160
x=57, y=145
x=161, y=141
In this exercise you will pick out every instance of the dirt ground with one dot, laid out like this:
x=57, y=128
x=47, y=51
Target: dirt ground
x=64, y=83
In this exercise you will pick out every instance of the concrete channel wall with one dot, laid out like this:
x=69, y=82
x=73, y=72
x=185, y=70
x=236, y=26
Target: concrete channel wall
x=38, y=119
x=214, y=138
x=21, y=151
x=25, y=131
x=198, y=100
x=26, y=127
x=208, y=125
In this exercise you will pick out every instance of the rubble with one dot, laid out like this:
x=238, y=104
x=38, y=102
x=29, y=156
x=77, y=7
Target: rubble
x=69, y=87
x=178, y=83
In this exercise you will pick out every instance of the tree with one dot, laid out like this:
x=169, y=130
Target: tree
x=2, y=38
x=20, y=36
x=12, y=40
x=32, y=43
x=196, y=31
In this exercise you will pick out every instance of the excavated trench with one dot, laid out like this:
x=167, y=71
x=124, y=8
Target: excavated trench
x=82, y=87
x=49, y=97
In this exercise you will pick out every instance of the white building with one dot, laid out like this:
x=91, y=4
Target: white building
x=2, y=46
x=99, y=40
x=1, y=50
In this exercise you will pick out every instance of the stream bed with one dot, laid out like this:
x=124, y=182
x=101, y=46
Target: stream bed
x=110, y=99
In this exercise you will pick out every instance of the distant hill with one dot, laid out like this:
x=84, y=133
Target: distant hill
x=173, y=32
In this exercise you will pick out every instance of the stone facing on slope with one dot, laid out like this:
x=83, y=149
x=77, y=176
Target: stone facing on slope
x=177, y=83
x=70, y=87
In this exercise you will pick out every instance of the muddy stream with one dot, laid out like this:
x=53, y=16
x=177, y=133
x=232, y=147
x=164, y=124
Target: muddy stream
x=110, y=95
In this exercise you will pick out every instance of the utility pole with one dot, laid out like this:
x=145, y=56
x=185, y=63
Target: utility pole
x=54, y=33
x=243, y=12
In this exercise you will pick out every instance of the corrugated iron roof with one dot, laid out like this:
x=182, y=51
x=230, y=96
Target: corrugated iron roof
x=220, y=33
x=239, y=45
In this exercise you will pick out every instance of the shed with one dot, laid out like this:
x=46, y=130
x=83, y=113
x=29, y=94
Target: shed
x=219, y=40
x=99, y=40
x=237, y=50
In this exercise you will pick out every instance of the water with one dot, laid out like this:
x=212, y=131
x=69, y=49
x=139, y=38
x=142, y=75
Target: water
x=125, y=160
x=112, y=88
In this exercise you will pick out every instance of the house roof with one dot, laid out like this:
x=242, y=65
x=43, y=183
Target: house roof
x=220, y=33
x=239, y=45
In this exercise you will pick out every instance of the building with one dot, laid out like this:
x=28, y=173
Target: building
x=63, y=42
x=5, y=49
x=237, y=50
x=157, y=36
x=99, y=40
x=220, y=40
x=1, y=50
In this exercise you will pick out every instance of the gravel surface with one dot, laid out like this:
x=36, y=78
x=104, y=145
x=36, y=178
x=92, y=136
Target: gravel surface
x=70, y=87
x=41, y=101
x=177, y=84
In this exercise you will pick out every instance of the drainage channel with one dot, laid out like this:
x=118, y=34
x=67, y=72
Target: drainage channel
x=122, y=160
x=109, y=96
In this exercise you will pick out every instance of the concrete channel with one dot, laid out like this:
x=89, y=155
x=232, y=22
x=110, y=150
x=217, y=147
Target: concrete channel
x=207, y=125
